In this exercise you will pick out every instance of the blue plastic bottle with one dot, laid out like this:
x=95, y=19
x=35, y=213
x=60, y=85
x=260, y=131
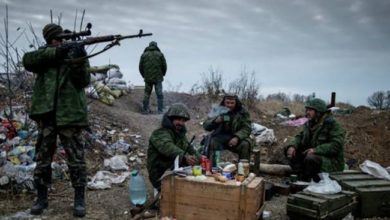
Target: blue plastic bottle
x=137, y=189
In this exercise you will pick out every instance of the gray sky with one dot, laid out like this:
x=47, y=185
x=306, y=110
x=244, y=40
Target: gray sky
x=293, y=46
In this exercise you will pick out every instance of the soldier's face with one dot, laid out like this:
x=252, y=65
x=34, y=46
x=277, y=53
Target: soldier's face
x=178, y=123
x=310, y=113
x=230, y=103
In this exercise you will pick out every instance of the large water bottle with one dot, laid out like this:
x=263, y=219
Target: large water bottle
x=137, y=189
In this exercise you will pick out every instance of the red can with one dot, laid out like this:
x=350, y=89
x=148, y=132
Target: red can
x=205, y=163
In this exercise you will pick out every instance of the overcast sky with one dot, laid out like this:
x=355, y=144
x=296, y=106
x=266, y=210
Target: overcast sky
x=293, y=46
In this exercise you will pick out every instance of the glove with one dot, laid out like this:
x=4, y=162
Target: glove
x=62, y=52
x=78, y=51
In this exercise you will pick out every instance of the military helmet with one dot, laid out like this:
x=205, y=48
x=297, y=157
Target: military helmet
x=153, y=43
x=51, y=31
x=317, y=104
x=178, y=110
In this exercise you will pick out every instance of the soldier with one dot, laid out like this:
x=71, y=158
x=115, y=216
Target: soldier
x=153, y=68
x=59, y=107
x=319, y=147
x=168, y=142
x=231, y=130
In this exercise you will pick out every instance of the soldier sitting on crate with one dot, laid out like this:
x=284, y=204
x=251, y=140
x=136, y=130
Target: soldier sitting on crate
x=230, y=130
x=319, y=147
x=168, y=142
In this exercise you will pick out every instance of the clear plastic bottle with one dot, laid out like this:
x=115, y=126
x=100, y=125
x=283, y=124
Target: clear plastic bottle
x=137, y=189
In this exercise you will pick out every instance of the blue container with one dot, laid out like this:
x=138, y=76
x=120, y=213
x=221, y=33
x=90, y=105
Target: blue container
x=137, y=189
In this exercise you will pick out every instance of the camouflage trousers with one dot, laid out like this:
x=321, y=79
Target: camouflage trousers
x=306, y=166
x=220, y=142
x=159, y=93
x=46, y=146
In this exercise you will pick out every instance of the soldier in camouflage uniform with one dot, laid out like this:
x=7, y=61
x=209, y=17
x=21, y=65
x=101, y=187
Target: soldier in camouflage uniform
x=59, y=107
x=168, y=142
x=231, y=130
x=153, y=68
x=319, y=147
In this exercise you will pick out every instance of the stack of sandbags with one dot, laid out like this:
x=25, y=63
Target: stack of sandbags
x=106, y=83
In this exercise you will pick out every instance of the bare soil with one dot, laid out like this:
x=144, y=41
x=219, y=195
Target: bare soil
x=368, y=137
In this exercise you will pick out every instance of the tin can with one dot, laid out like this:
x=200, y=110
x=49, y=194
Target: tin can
x=206, y=164
x=196, y=170
x=227, y=174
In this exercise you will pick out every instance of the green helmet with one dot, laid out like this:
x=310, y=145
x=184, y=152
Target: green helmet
x=178, y=110
x=51, y=31
x=153, y=43
x=317, y=104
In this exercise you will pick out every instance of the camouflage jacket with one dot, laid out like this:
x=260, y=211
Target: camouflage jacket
x=327, y=139
x=58, y=87
x=238, y=125
x=152, y=65
x=164, y=145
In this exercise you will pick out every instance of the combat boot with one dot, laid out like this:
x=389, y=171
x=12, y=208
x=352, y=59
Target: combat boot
x=145, y=107
x=160, y=106
x=79, y=202
x=41, y=203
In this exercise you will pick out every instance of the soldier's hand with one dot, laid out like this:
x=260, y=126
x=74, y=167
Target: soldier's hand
x=219, y=119
x=78, y=51
x=191, y=160
x=291, y=152
x=233, y=142
x=62, y=52
x=309, y=151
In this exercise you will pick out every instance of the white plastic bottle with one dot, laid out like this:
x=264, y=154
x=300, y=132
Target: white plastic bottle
x=137, y=189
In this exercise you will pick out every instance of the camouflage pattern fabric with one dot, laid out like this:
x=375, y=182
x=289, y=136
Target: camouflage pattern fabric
x=72, y=143
x=238, y=125
x=148, y=90
x=327, y=139
x=152, y=65
x=58, y=87
x=164, y=145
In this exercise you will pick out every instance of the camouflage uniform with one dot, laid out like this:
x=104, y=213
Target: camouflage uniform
x=326, y=137
x=59, y=107
x=239, y=125
x=153, y=68
x=165, y=144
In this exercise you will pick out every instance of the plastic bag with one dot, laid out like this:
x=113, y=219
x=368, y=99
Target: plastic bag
x=325, y=186
x=374, y=169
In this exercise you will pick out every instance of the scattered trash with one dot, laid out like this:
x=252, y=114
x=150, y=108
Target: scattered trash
x=374, y=169
x=325, y=186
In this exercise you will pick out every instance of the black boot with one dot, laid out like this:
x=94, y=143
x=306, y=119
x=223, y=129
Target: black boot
x=41, y=203
x=79, y=202
x=145, y=107
x=160, y=106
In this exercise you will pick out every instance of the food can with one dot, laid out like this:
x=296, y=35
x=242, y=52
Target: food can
x=228, y=175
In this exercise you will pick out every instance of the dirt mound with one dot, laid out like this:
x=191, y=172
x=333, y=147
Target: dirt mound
x=368, y=137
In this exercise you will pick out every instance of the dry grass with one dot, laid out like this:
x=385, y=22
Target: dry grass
x=271, y=107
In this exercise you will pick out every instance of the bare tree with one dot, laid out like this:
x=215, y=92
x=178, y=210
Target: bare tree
x=212, y=83
x=246, y=88
x=379, y=100
x=280, y=96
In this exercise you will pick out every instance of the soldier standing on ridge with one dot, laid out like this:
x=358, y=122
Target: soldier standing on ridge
x=59, y=107
x=153, y=68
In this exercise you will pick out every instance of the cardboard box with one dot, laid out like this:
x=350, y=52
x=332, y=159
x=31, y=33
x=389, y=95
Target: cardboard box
x=189, y=199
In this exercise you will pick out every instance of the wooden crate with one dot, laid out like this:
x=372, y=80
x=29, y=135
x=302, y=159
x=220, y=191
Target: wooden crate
x=374, y=193
x=306, y=205
x=188, y=199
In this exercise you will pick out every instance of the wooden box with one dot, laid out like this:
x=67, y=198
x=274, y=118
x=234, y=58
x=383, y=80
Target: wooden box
x=189, y=199
x=374, y=193
x=306, y=205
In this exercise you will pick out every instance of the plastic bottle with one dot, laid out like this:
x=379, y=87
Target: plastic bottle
x=137, y=189
x=216, y=158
